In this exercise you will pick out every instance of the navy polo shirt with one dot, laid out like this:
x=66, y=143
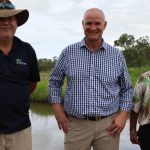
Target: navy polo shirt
x=17, y=70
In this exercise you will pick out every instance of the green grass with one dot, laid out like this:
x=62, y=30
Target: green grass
x=44, y=76
x=40, y=93
x=136, y=72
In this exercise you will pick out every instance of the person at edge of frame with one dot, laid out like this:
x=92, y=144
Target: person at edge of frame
x=19, y=75
x=141, y=112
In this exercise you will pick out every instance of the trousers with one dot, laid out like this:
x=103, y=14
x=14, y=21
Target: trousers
x=84, y=134
x=16, y=141
x=143, y=135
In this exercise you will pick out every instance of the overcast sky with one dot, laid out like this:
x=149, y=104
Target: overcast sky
x=54, y=24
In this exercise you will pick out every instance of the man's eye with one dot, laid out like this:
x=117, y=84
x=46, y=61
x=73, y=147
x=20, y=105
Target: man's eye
x=88, y=23
x=97, y=24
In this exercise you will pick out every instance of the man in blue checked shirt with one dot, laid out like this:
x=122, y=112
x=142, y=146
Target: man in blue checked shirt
x=99, y=92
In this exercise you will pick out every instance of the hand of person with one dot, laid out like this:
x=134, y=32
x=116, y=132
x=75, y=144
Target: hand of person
x=61, y=117
x=118, y=123
x=62, y=121
x=134, y=138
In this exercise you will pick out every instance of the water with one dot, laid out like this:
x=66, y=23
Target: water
x=47, y=136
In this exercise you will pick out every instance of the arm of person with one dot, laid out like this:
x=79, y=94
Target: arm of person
x=34, y=75
x=32, y=86
x=133, y=132
x=54, y=92
x=126, y=89
x=125, y=102
x=61, y=117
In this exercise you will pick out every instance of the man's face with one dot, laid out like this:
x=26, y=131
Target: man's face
x=93, y=25
x=8, y=28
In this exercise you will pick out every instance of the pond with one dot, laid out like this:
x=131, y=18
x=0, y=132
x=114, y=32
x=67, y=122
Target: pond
x=47, y=136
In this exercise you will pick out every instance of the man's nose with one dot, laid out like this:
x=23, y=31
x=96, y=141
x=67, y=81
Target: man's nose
x=93, y=27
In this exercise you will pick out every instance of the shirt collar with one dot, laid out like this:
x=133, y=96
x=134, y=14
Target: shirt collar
x=83, y=44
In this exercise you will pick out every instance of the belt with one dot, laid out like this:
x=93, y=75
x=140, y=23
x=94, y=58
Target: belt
x=92, y=118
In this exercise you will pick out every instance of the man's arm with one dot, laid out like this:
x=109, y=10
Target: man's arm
x=60, y=116
x=54, y=93
x=56, y=81
x=126, y=94
x=32, y=86
x=126, y=89
x=133, y=123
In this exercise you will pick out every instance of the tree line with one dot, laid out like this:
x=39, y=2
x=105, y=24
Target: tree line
x=46, y=65
x=136, y=52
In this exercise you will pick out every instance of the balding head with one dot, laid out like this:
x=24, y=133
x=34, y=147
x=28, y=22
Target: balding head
x=94, y=11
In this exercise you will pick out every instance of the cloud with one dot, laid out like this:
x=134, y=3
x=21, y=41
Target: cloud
x=61, y=6
x=53, y=24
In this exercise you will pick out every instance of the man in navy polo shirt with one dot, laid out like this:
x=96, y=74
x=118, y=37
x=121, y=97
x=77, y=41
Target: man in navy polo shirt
x=19, y=74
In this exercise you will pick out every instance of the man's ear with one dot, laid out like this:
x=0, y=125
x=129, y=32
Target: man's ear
x=82, y=22
x=105, y=24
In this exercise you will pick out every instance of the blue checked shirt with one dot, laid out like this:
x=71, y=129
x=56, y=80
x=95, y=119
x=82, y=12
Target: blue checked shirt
x=98, y=84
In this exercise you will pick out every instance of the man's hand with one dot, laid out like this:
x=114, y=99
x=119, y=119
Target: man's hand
x=62, y=119
x=118, y=123
x=134, y=138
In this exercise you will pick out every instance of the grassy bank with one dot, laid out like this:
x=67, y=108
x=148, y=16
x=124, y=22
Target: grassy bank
x=41, y=92
x=136, y=72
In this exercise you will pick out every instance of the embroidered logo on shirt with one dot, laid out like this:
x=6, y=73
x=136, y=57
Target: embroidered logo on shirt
x=20, y=62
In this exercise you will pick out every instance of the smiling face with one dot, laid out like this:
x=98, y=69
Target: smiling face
x=8, y=28
x=93, y=25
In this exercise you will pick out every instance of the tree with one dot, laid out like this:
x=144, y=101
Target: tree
x=125, y=41
x=136, y=52
x=142, y=42
x=46, y=64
